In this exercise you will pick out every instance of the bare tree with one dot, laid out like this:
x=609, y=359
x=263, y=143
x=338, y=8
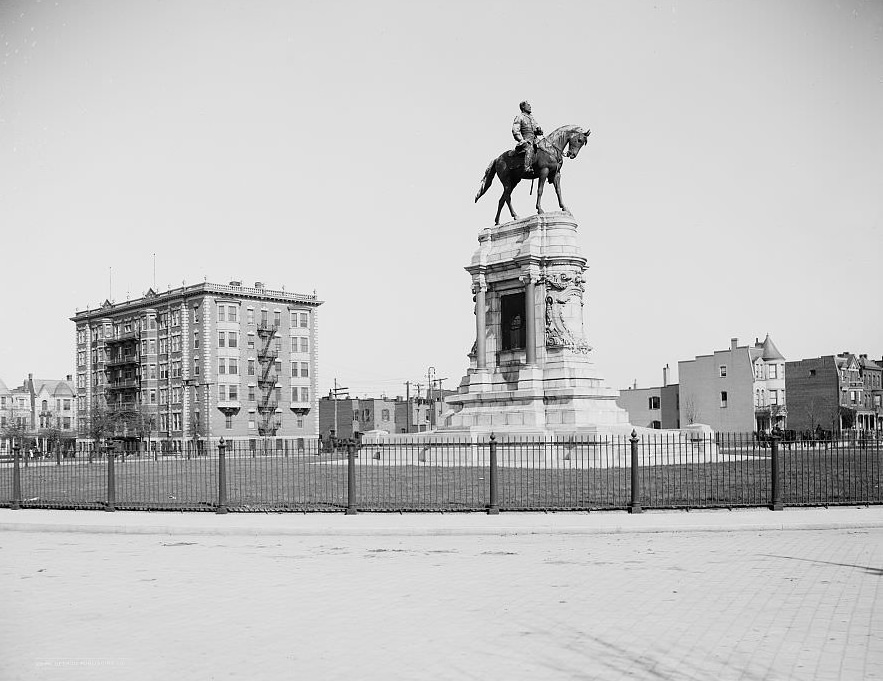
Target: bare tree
x=691, y=411
x=101, y=423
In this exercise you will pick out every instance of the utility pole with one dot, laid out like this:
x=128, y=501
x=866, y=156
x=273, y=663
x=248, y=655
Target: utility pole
x=440, y=398
x=409, y=415
x=430, y=375
x=335, y=392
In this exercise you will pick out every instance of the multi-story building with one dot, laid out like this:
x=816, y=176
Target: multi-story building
x=657, y=407
x=835, y=392
x=871, y=415
x=41, y=411
x=739, y=390
x=199, y=362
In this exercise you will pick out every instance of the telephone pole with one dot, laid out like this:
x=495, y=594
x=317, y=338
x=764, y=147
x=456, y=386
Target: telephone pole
x=335, y=392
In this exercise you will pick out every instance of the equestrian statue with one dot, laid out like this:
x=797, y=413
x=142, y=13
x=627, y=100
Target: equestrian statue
x=533, y=157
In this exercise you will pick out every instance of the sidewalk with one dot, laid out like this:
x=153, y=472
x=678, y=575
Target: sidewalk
x=438, y=524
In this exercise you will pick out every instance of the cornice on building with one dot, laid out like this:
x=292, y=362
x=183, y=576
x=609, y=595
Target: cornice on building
x=185, y=292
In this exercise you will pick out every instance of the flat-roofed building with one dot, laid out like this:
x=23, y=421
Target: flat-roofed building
x=196, y=363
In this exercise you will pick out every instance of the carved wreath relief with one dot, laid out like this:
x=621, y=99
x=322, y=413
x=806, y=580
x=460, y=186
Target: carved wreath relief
x=564, y=310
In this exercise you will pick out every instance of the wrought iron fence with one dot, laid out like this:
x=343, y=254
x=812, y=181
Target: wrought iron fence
x=671, y=470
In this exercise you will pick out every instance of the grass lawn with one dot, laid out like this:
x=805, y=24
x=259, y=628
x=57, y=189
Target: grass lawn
x=309, y=482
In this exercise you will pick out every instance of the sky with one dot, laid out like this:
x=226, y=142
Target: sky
x=732, y=185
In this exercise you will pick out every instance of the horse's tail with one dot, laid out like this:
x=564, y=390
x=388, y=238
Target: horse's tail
x=486, y=180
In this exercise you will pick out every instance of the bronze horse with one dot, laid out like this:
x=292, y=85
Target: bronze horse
x=508, y=166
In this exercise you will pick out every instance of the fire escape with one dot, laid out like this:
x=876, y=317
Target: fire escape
x=123, y=385
x=267, y=378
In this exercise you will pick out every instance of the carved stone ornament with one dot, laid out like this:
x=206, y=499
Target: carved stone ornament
x=564, y=311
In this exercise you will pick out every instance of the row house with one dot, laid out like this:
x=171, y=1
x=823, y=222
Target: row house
x=41, y=411
x=835, y=392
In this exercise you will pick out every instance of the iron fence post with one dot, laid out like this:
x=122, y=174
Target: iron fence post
x=58, y=456
x=16, y=477
x=635, y=503
x=222, y=477
x=775, y=483
x=111, y=482
x=351, y=478
x=493, y=507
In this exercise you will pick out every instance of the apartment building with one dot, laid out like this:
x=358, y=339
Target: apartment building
x=835, y=392
x=738, y=390
x=177, y=368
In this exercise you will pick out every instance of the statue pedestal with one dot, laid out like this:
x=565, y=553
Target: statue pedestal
x=530, y=371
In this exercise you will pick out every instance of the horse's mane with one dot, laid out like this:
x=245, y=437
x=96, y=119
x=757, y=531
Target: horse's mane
x=563, y=131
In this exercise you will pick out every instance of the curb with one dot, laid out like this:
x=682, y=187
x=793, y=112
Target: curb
x=435, y=525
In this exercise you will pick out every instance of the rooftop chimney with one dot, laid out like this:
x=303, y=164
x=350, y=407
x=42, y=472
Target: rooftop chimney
x=235, y=283
x=68, y=378
x=665, y=375
x=258, y=284
x=734, y=342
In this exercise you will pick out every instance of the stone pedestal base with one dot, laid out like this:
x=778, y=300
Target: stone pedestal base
x=533, y=401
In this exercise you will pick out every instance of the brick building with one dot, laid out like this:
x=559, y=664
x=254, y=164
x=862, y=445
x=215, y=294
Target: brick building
x=835, y=392
x=205, y=361
x=355, y=416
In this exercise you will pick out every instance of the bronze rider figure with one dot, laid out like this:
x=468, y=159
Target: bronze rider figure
x=526, y=130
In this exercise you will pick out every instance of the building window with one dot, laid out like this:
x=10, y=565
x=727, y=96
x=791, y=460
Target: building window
x=304, y=345
x=304, y=370
x=772, y=370
x=294, y=369
x=249, y=315
x=164, y=372
x=251, y=424
x=723, y=398
x=723, y=370
x=251, y=397
x=231, y=313
x=774, y=397
x=228, y=422
x=304, y=394
x=234, y=366
x=277, y=318
x=294, y=394
x=153, y=397
x=304, y=320
x=196, y=339
x=222, y=392
x=656, y=425
x=222, y=366
x=222, y=339
x=221, y=310
x=250, y=341
x=233, y=392
x=251, y=367
x=232, y=339
x=293, y=321
x=384, y=414
x=653, y=402
x=176, y=421
x=812, y=372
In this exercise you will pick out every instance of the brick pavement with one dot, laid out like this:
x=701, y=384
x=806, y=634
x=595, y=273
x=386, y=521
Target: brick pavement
x=794, y=604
